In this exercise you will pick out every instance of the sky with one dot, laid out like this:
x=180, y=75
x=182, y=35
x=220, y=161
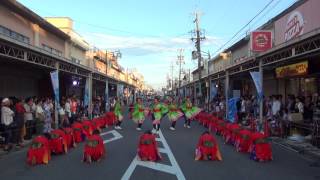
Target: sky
x=149, y=32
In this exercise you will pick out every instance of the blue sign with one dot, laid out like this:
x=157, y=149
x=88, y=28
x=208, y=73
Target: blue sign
x=55, y=84
x=232, y=109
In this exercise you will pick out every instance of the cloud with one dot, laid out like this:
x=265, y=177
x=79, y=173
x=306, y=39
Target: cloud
x=151, y=56
x=141, y=46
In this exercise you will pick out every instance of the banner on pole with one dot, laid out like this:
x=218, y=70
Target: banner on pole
x=232, y=109
x=120, y=90
x=86, y=94
x=213, y=91
x=106, y=95
x=55, y=84
x=257, y=82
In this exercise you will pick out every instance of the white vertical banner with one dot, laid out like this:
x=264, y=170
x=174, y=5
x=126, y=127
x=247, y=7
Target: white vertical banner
x=257, y=82
x=86, y=94
x=55, y=84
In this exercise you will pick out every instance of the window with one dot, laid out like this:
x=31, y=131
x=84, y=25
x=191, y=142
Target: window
x=14, y=35
x=51, y=50
x=75, y=60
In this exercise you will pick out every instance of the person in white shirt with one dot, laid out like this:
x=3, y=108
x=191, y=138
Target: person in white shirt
x=7, y=120
x=39, y=114
x=28, y=118
x=63, y=120
x=67, y=108
x=276, y=106
x=299, y=106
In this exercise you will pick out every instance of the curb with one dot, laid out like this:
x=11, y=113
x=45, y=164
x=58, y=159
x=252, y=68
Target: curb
x=297, y=147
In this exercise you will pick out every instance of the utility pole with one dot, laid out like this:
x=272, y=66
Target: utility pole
x=180, y=60
x=197, y=40
x=208, y=83
x=172, y=68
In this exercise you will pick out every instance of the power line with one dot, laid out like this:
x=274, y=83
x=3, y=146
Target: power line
x=265, y=7
x=109, y=28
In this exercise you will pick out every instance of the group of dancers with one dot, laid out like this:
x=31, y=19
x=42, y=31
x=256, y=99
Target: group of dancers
x=59, y=141
x=158, y=110
x=245, y=139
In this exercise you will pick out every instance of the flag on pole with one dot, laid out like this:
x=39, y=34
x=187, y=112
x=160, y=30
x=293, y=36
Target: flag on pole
x=55, y=84
x=257, y=82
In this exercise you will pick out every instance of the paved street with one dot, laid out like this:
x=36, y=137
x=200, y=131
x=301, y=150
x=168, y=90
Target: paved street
x=121, y=152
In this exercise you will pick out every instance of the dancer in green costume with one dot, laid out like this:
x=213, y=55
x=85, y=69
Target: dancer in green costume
x=158, y=111
x=174, y=113
x=118, y=113
x=189, y=112
x=138, y=114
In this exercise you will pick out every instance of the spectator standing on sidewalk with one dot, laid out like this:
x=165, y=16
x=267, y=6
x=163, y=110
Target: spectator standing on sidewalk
x=299, y=106
x=19, y=121
x=74, y=106
x=28, y=118
x=48, y=116
x=40, y=116
x=7, y=121
x=67, y=108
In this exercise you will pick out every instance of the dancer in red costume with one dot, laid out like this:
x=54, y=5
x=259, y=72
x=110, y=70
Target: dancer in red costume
x=259, y=147
x=87, y=128
x=148, y=150
x=58, y=142
x=242, y=140
x=69, y=137
x=94, y=149
x=110, y=119
x=207, y=148
x=78, y=132
x=39, y=151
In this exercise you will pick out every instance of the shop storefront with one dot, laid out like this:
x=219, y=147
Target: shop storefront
x=299, y=79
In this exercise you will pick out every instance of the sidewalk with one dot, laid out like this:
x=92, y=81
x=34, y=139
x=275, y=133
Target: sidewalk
x=15, y=149
x=303, y=148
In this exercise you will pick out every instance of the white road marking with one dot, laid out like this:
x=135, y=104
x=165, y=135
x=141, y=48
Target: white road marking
x=173, y=169
x=116, y=136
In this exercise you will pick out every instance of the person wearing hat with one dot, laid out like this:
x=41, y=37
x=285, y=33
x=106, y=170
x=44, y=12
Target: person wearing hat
x=7, y=120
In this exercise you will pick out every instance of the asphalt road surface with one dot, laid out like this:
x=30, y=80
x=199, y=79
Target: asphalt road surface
x=178, y=162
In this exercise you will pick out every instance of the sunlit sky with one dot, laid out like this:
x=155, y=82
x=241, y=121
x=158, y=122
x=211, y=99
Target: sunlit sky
x=150, y=32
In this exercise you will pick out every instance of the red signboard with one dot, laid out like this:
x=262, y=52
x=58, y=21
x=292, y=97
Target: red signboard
x=261, y=40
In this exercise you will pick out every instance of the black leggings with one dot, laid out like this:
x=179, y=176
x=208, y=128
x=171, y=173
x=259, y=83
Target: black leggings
x=173, y=124
x=30, y=126
x=187, y=121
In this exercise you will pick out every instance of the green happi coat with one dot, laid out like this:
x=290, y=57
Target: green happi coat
x=117, y=109
x=189, y=110
x=138, y=113
x=159, y=110
x=173, y=113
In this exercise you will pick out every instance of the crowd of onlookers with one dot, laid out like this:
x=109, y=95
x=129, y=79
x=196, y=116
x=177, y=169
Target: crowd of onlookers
x=279, y=111
x=23, y=118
